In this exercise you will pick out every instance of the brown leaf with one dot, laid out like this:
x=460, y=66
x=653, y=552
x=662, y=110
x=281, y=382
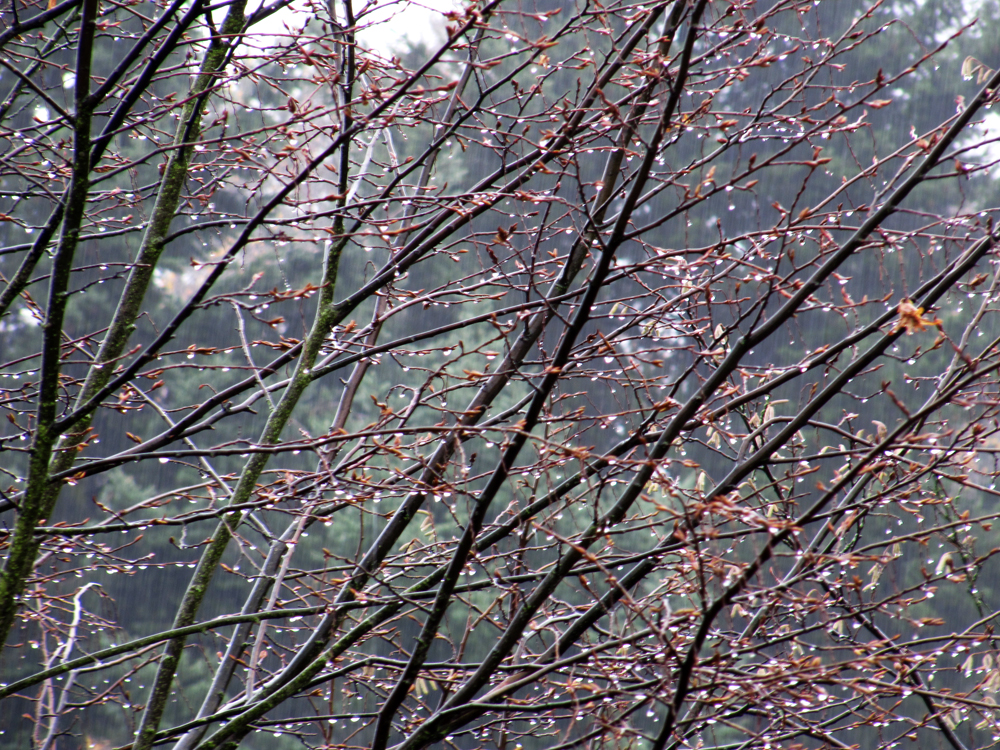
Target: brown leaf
x=977, y=280
x=911, y=318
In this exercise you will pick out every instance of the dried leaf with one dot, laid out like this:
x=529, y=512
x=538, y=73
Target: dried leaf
x=972, y=67
x=911, y=318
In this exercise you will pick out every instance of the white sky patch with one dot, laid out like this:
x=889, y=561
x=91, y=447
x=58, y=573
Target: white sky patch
x=388, y=27
x=397, y=25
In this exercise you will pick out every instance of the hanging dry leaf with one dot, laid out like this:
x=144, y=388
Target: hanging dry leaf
x=912, y=318
x=972, y=67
